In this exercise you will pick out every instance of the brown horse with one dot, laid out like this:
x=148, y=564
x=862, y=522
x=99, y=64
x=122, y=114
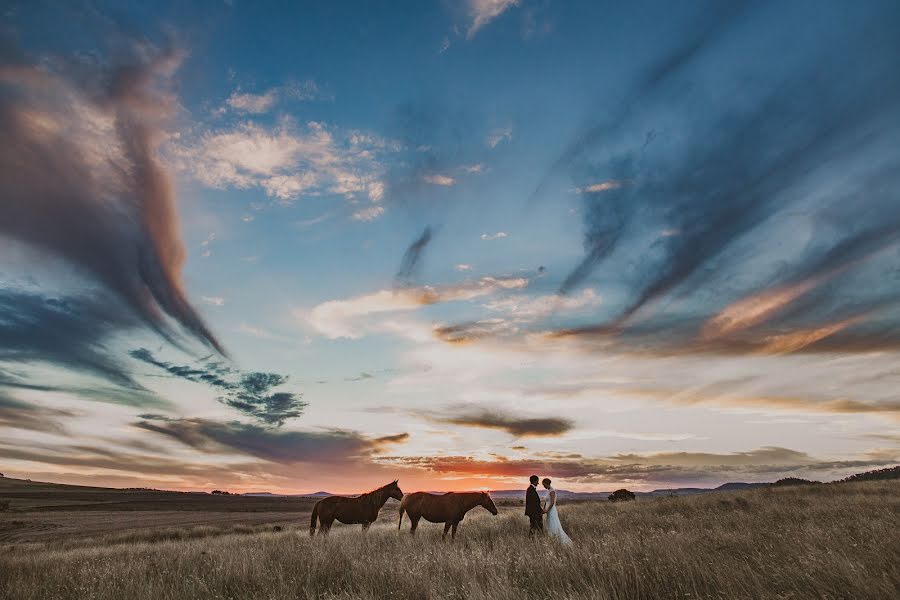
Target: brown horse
x=362, y=510
x=449, y=508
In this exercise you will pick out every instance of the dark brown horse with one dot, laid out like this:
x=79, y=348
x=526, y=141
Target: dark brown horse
x=362, y=510
x=449, y=508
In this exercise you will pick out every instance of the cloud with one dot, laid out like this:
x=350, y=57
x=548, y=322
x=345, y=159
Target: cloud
x=825, y=131
x=361, y=377
x=368, y=214
x=80, y=177
x=462, y=267
x=348, y=318
x=413, y=256
x=259, y=333
x=285, y=160
x=70, y=332
x=494, y=236
x=515, y=425
x=249, y=103
x=438, y=179
x=279, y=446
x=94, y=457
x=515, y=311
x=603, y=186
x=213, y=300
x=254, y=397
x=483, y=12
x=526, y=309
x=252, y=103
x=496, y=136
x=16, y=414
x=249, y=393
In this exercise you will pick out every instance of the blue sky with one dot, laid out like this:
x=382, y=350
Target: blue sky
x=304, y=245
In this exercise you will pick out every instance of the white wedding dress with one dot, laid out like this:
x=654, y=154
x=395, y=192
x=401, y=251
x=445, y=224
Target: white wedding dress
x=554, y=527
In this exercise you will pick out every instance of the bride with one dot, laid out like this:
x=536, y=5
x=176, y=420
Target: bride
x=554, y=527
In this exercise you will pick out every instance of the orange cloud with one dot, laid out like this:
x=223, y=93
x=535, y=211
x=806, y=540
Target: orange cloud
x=755, y=309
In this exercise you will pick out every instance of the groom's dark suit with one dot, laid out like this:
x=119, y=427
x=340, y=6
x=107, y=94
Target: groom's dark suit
x=533, y=510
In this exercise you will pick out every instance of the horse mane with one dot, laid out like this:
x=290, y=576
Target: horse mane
x=374, y=496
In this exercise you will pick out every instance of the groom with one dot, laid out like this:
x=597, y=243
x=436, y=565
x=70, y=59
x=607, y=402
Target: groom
x=533, y=509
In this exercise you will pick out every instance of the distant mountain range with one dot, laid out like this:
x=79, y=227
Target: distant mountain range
x=876, y=475
x=568, y=494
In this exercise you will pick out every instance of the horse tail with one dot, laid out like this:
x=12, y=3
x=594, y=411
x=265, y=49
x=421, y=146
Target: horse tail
x=400, y=522
x=313, y=518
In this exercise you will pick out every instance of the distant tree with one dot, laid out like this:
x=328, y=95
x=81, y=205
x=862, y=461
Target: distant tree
x=2, y=475
x=622, y=495
x=220, y=493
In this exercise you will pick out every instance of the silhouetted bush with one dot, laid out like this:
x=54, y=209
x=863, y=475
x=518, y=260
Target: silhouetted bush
x=622, y=495
x=4, y=505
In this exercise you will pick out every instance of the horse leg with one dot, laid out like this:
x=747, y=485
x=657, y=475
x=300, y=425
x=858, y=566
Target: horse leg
x=446, y=529
x=453, y=535
x=365, y=527
x=414, y=524
x=325, y=527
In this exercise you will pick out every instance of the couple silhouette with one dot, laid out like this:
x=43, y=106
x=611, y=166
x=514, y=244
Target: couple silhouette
x=535, y=511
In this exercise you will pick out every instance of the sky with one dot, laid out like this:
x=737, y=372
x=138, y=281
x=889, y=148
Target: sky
x=290, y=247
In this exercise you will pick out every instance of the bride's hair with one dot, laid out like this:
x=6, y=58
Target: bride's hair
x=546, y=482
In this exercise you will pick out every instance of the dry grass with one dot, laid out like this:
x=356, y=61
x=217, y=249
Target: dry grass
x=835, y=541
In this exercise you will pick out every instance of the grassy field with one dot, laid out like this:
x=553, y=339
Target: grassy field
x=44, y=512
x=831, y=541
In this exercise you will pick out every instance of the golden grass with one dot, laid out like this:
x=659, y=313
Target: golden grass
x=832, y=541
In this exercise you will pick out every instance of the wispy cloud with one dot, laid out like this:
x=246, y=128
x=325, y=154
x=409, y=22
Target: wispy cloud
x=259, y=332
x=280, y=446
x=603, y=186
x=412, y=258
x=483, y=12
x=349, y=318
x=213, y=300
x=514, y=424
x=263, y=102
x=252, y=103
x=70, y=332
x=369, y=213
x=496, y=136
x=438, y=179
x=494, y=236
x=252, y=394
x=16, y=414
x=287, y=161
x=93, y=165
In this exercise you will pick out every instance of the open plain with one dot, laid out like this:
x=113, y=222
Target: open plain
x=826, y=541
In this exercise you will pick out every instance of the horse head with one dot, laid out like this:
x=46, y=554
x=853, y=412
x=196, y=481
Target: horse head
x=488, y=503
x=394, y=490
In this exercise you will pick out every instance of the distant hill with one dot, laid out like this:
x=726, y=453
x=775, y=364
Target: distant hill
x=788, y=481
x=876, y=475
x=23, y=488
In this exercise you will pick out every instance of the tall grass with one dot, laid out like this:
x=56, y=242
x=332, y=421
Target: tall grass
x=835, y=541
